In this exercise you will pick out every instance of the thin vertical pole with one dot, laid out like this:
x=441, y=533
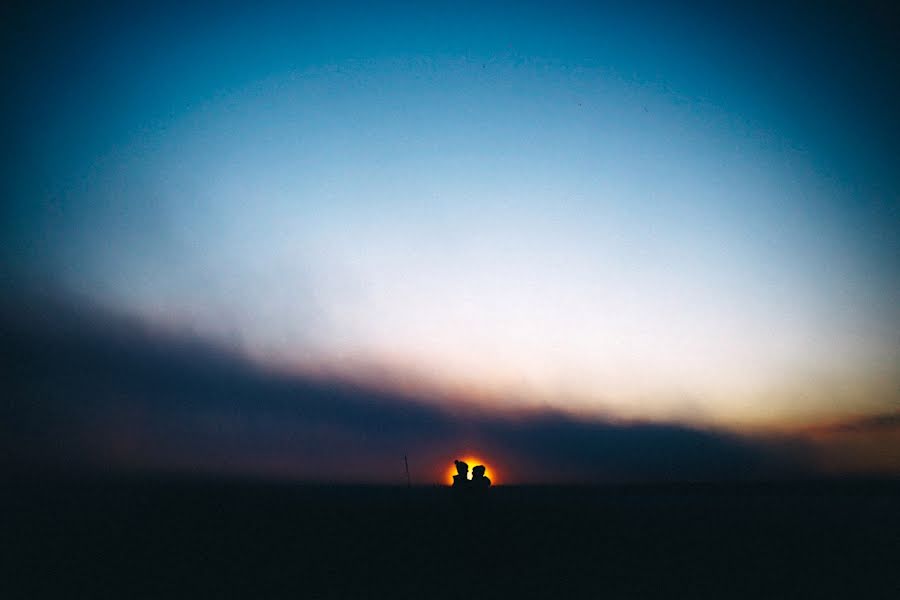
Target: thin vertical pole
x=406, y=462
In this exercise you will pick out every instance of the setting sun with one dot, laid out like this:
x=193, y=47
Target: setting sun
x=472, y=461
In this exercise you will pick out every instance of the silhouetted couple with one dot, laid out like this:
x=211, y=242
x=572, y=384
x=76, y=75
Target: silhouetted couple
x=461, y=479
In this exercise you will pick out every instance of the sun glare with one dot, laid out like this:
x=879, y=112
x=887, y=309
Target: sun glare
x=472, y=461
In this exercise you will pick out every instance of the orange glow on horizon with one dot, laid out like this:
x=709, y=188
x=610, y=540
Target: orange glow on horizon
x=472, y=461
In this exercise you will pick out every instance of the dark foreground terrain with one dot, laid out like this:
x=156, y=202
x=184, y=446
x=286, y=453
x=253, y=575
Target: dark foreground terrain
x=153, y=539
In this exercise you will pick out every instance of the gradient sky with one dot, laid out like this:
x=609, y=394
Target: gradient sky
x=677, y=215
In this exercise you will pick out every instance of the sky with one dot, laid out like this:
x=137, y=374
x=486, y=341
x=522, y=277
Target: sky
x=554, y=233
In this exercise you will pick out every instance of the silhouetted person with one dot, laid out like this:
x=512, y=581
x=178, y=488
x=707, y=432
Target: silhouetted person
x=461, y=479
x=479, y=481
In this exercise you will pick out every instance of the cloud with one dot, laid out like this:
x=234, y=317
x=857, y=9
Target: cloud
x=90, y=389
x=862, y=445
x=888, y=421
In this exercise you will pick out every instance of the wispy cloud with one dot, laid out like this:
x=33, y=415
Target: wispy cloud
x=888, y=421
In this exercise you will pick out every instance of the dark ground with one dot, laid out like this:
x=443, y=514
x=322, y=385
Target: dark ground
x=154, y=539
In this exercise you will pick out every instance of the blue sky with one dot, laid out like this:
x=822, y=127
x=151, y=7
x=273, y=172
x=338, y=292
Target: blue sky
x=646, y=213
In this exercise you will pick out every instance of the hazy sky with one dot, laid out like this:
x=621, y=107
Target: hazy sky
x=648, y=213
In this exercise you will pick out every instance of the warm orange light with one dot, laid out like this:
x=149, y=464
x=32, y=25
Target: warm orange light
x=472, y=461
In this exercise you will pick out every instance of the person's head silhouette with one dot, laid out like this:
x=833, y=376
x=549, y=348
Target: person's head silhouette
x=478, y=478
x=462, y=474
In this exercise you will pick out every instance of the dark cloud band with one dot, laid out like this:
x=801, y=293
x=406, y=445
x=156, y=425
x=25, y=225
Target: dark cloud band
x=95, y=390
